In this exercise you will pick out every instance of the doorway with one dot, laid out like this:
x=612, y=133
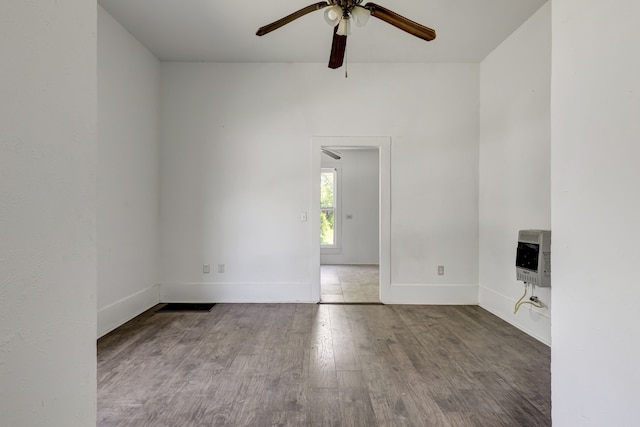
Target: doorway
x=344, y=272
x=343, y=283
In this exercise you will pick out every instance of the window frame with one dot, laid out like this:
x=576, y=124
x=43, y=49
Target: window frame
x=337, y=223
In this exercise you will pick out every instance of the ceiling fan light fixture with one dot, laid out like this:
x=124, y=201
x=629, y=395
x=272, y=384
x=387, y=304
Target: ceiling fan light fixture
x=344, y=27
x=360, y=15
x=333, y=15
x=339, y=13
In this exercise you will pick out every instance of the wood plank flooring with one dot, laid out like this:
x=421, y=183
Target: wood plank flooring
x=322, y=365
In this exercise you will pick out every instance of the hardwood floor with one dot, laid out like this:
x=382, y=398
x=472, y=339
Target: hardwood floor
x=322, y=365
x=349, y=283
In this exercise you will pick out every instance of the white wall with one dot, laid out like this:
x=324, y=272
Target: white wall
x=48, y=213
x=515, y=189
x=128, y=178
x=358, y=207
x=235, y=159
x=596, y=206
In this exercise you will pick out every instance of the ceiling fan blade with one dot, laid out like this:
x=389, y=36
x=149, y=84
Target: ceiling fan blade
x=401, y=22
x=295, y=15
x=331, y=154
x=338, y=48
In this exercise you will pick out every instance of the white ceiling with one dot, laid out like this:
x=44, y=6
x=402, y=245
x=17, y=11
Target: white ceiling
x=224, y=30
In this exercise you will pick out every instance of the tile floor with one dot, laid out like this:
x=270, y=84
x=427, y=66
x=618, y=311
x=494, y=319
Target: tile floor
x=349, y=283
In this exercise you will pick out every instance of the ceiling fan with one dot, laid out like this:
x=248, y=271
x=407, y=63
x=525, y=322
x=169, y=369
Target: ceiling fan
x=340, y=14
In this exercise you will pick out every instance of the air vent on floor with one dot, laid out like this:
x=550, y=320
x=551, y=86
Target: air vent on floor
x=181, y=306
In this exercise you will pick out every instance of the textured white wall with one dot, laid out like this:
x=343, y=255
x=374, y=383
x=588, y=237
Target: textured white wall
x=48, y=213
x=128, y=177
x=359, y=198
x=595, y=149
x=235, y=156
x=515, y=162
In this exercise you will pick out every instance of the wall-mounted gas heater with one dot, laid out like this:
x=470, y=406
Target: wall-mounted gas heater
x=533, y=257
x=533, y=264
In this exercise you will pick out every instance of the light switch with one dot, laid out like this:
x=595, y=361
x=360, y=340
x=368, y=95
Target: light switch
x=303, y=217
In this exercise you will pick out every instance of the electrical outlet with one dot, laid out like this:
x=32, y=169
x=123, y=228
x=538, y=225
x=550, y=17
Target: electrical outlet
x=206, y=268
x=441, y=270
x=220, y=268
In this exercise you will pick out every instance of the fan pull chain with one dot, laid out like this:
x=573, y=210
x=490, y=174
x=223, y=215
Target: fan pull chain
x=346, y=63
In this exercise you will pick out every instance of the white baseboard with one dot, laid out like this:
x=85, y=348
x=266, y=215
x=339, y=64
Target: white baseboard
x=432, y=294
x=301, y=292
x=533, y=321
x=120, y=312
x=236, y=292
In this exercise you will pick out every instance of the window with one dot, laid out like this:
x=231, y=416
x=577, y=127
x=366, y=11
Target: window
x=328, y=198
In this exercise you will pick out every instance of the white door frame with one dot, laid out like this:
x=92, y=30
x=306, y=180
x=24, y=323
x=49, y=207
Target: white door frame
x=383, y=144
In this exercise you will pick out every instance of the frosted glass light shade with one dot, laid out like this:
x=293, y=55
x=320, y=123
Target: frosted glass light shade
x=360, y=15
x=344, y=27
x=333, y=15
